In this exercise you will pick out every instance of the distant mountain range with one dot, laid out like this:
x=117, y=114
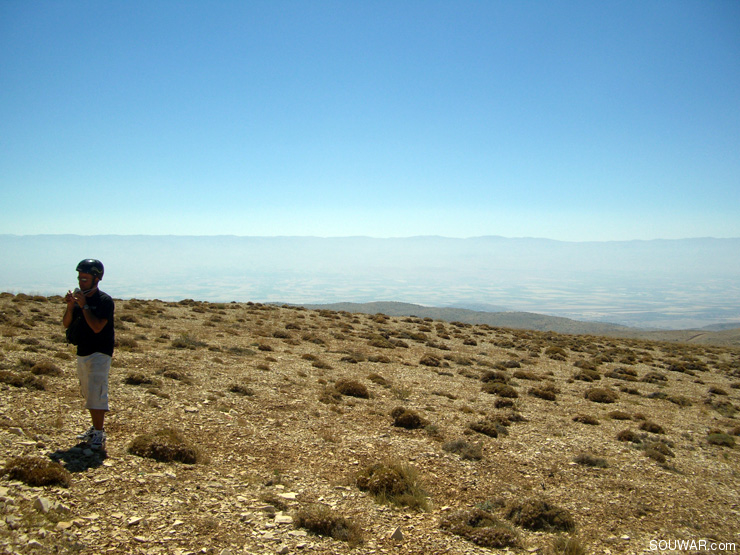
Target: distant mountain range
x=727, y=334
x=661, y=284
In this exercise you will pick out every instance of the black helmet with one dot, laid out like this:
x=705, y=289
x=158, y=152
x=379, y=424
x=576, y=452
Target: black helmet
x=92, y=267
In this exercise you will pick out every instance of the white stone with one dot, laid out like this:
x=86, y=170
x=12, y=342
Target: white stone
x=42, y=505
x=281, y=518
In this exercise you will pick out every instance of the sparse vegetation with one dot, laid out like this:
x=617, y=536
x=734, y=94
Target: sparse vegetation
x=166, y=445
x=601, y=395
x=481, y=528
x=297, y=412
x=538, y=514
x=36, y=472
x=323, y=521
x=394, y=482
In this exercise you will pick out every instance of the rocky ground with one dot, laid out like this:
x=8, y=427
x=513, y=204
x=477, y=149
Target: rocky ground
x=256, y=390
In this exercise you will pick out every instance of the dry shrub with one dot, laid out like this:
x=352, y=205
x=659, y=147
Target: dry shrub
x=567, y=545
x=657, y=456
x=654, y=377
x=393, y=482
x=494, y=376
x=601, y=395
x=165, y=445
x=36, y=472
x=466, y=450
x=322, y=521
x=680, y=400
x=321, y=365
x=626, y=374
x=587, y=375
x=176, y=375
x=137, y=378
x=500, y=389
x=241, y=389
x=586, y=419
x=186, y=341
x=503, y=403
x=381, y=342
x=527, y=375
x=619, y=415
x=490, y=427
x=720, y=438
x=407, y=418
x=17, y=380
x=377, y=379
x=556, y=353
x=430, y=360
x=629, y=435
x=652, y=427
x=548, y=392
x=45, y=368
x=590, y=460
x=481, y=528
x=126, y=343
x=352, y=388
x=538, y=514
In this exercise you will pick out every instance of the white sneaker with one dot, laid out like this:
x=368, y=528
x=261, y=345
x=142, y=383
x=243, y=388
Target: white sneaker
x=87, y=434
x=97, y=440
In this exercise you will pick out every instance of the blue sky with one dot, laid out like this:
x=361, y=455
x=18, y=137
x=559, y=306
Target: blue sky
x=570, y=120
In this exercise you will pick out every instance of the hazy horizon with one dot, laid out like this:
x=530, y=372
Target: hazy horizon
x=660, y=283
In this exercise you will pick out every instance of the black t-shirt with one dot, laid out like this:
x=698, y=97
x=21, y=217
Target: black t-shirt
x=101, y=305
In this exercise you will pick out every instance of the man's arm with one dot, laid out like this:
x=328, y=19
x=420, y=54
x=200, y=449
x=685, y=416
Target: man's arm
x=96, y=324
x=69, y=312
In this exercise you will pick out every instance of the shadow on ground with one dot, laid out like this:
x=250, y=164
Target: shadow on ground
x=79, y=458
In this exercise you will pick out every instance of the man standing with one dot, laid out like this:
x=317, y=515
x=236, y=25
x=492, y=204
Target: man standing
x=89, y=323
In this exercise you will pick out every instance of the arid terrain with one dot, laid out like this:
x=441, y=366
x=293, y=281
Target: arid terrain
x=625, y=443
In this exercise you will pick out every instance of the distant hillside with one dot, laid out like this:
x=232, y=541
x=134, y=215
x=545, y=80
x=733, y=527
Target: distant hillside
x=515, y=320
x=661, y=284
x=538, y=322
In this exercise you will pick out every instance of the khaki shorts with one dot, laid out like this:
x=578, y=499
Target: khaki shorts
x=93, y=371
